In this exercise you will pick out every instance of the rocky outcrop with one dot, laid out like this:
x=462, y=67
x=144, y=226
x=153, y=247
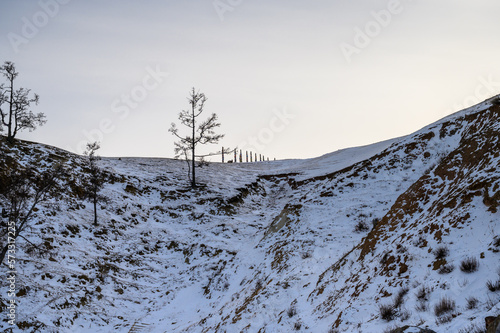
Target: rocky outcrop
x=492, y=324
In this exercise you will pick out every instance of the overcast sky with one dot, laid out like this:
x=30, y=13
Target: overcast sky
x=288, y=79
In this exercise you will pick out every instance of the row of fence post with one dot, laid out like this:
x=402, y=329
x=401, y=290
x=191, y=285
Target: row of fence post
x=249, y=157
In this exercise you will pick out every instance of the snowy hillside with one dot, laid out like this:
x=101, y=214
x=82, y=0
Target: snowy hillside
x=361, y=240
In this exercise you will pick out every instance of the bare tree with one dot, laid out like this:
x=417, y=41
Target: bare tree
x=200, y=132
x=21, y=190
x=95, y=178
x=17, y=115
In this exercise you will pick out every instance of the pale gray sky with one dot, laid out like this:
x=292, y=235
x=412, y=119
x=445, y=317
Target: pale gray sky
x=288, y=79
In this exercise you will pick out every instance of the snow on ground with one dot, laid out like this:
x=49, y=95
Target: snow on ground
x=265, y=247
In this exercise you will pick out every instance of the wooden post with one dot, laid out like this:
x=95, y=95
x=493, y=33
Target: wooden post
x=246, y=152
x=235, y=156
x=222, y=154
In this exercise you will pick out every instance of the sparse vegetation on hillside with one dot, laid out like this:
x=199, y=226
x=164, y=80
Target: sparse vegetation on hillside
x=472, y=303
x=444, y=306
x=494, y=285
x=361, y=226
x=446, y=269
x=255, y=252
x=473, y=328
x=469, y=265
x=423, y=293
x=441, y=252
x=23, y=190
x=292, y=311
x=387, y=312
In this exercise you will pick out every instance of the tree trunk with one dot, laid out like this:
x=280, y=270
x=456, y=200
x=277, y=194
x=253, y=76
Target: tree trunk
x=10, y=137
x=193, y=179
x=6, y=247
x=4, y=252
x=95, y=209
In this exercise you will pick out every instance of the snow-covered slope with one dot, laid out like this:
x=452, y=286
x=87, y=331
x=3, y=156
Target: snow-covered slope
x=312, y=245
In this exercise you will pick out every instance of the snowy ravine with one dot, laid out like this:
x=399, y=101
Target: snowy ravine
x=315, y=245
